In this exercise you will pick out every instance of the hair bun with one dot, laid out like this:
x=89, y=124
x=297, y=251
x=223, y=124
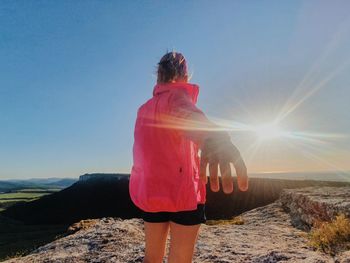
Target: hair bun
x=172, y=66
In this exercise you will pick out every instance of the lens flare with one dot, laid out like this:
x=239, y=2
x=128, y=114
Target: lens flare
x=268, y=131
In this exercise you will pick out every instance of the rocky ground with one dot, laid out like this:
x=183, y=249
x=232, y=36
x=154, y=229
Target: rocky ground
x=267, y=235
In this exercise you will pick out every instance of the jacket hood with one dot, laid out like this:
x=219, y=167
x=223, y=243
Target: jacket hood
x=191, y=89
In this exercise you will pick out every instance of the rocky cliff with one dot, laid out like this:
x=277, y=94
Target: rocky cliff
x=309, y=205
x=267, y=235
x=101, y=176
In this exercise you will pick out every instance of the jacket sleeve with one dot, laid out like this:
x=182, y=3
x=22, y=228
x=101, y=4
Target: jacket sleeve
x=189, y=120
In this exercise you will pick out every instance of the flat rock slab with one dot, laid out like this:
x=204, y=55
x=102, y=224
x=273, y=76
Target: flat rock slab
x=266, y=236
x=308, y=205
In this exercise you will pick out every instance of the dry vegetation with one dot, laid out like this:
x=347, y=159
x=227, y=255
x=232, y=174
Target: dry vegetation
x=331, y=237
x=83, y=224
x=237, y=220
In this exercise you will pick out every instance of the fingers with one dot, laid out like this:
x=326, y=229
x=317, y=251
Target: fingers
x=242, y=177
x=214, y=178
x=243, y=183
x=218, y=152
x=226, y=177
x=203, y=170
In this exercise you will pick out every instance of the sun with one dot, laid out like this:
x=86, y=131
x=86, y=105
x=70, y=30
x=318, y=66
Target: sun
x=268, y=131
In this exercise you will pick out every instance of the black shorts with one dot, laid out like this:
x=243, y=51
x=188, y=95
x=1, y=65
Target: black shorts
x=191, y=217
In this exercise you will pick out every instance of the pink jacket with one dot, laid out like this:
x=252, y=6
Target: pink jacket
x=165, y=172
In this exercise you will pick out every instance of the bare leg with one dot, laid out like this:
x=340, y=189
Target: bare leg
x=155, y=236
x=182, y=242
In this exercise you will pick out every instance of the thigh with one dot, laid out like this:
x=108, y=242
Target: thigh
x=155, y=237
x=182, y=242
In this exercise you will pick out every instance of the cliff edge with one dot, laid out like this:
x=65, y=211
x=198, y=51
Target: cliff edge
x=266, y=235
x=309, y=205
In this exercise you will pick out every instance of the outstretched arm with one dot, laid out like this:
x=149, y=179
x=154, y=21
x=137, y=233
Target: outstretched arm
x=216, y=147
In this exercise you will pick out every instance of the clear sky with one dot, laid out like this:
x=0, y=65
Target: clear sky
x=73, y=73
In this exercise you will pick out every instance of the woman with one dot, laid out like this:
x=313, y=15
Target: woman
x=168, y=180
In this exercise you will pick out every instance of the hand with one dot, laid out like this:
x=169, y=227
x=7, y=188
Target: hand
x=218, y=151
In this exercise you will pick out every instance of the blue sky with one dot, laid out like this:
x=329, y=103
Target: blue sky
x=73, y=74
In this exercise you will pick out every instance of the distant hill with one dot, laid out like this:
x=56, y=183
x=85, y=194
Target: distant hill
x=7, y=186
x=103, y=195
x=15, y=185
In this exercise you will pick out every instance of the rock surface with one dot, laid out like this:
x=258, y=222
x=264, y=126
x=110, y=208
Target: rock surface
x=308, y=205
x=267, y=235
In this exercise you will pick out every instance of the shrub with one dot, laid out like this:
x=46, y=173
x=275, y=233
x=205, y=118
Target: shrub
x=331, y=237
